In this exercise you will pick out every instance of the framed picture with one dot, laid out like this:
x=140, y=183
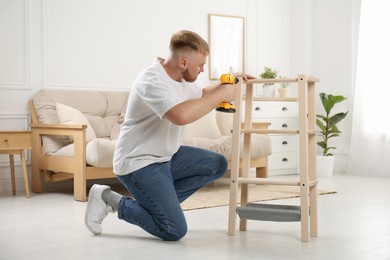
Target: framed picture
x=226, y=40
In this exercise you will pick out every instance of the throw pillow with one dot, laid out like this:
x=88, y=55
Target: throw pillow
x=225, y=122
x=69, y=115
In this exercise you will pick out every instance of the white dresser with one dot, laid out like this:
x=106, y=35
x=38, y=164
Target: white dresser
x=282, y=115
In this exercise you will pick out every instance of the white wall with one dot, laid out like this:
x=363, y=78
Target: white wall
x=335, y=29
x=103, y=44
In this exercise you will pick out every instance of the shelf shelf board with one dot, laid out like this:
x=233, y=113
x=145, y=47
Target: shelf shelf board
x=312, y=79
x=309, y=79
x=275, y=99
x=268, y=181
x=262, y=81
x=268, y=131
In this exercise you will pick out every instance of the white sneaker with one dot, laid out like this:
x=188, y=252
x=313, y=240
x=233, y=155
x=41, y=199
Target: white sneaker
x=97, y=209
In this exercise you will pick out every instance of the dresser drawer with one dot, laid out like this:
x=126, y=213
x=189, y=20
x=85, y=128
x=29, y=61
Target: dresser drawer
x=287, y=160
x=283, y=124
x=263, y=109
x=284, y=143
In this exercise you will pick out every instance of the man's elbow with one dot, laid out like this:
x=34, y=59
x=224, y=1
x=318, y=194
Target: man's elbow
x=177, y=118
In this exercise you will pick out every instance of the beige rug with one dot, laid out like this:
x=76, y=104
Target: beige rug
x=218, y=195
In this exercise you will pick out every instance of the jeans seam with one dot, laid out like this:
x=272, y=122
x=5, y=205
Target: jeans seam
x=155, y=205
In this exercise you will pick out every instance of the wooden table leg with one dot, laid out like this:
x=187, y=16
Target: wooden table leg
x=12, y=170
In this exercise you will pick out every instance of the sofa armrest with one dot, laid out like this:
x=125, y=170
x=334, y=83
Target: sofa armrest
x=57, y=127
x=64, y=166
x=78, y=132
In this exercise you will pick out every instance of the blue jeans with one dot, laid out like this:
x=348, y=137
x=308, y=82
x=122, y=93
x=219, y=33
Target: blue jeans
x=158, y=190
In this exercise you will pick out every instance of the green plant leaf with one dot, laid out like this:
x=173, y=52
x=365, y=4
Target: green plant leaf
x=269, y=73
x=327, y=123
x=325, y=152
x=333, y=135
x=335, y=119
x=320, y=125
x=326, y=102
x=322, y=144
x=334, y=130
x=337, y=99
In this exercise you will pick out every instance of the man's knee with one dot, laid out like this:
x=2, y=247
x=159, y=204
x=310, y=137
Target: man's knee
x=222, y=163
x=177, y=232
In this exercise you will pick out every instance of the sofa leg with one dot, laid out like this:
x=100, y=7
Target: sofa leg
x=80, y=185
x=36, y=184
x=80, y=190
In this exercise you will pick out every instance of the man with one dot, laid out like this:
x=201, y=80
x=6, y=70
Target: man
x=149, y=159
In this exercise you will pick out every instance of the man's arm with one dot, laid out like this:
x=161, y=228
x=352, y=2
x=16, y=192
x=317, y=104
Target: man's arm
x=212, y=87
x=191, y=110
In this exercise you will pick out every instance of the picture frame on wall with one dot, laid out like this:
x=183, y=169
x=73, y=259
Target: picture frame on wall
x=227, y=46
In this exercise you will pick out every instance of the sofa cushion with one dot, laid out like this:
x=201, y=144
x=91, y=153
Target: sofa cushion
x=225, y=122
x=99, y=152
x=46, y=111
x=101, y=108
x=205, y=127
x=219, y=145
x=69, y=115
x=260, y=145
x=114, y=134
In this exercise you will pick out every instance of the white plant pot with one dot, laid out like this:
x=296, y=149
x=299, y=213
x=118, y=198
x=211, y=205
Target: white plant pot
x=325, y=165
x=269, y=91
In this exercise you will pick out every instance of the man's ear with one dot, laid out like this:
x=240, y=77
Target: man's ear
x=183, y=63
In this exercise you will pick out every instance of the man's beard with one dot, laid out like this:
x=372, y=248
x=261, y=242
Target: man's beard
x=187, y=77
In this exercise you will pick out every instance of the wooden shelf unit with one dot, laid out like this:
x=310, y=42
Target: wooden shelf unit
x=306, y=212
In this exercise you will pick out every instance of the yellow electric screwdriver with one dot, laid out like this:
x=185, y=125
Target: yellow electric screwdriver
x=227, y=106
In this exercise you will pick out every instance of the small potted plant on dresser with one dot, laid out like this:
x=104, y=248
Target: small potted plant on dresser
x=269, y=88
x=328, y=129
x=283, y=89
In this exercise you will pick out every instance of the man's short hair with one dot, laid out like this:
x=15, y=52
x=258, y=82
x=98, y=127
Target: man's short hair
x=188, y=40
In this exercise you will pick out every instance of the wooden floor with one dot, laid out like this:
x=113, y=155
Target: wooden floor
x=353, y=224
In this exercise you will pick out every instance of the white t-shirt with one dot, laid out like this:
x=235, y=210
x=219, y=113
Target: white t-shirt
x=146, y=137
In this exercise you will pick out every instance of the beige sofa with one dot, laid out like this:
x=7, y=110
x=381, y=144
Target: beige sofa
x=74, y=134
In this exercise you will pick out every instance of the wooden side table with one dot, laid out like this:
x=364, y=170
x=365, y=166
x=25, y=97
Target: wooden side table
x=16, y=142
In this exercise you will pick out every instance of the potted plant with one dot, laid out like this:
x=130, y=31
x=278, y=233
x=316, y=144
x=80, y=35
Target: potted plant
x=269, y=88
x=283, y=90
x=328, y=129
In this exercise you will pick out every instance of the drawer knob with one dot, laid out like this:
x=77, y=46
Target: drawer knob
x=6, y=140
x=284, y=142
x=284, y=160
x=284, y=125
x=257, y=108
x=284, y=109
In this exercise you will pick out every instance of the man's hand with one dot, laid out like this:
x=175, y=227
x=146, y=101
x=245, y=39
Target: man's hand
x=228, y=92
x=244, y=76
